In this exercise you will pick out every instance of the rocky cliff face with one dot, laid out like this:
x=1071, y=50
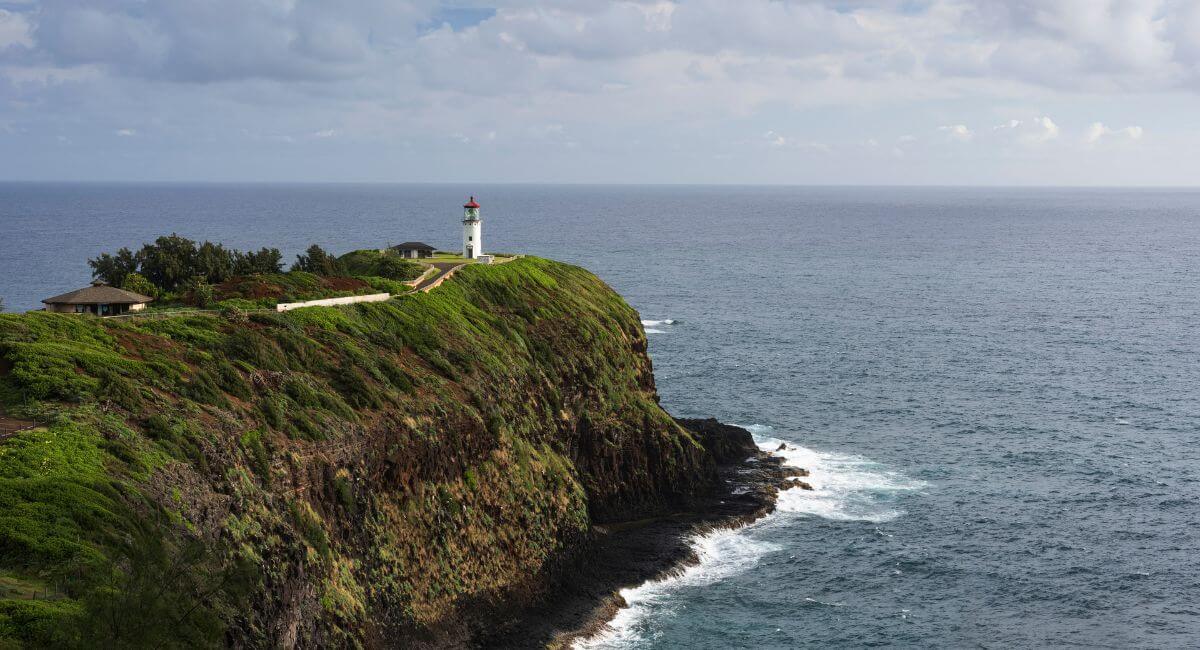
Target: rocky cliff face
x=371, y=475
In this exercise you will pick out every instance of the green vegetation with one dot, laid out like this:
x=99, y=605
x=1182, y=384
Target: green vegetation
x=267, y=290
x=396, y=460
x=173, y=261
x=137, y=283
x=315, y=260
x=380, y=264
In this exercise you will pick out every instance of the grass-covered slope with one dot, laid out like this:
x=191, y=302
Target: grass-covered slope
x=269, y=289
x=327, y=476
x=380, y=264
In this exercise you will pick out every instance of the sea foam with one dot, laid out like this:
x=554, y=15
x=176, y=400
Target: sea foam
x=846, y=487
x=654, y=323
x=721, y=553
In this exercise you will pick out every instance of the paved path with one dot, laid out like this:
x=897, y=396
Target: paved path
x=434, y=279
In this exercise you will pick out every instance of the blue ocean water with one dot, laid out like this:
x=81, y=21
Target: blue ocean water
x=997, y=390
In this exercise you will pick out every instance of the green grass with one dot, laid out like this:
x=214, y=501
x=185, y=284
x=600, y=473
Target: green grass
x=380, y=264
x=467, y=404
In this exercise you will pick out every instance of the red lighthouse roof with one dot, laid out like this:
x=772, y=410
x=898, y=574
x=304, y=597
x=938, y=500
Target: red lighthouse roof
x=471, y=203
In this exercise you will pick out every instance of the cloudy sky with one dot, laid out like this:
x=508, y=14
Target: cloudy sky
x=1058, y=92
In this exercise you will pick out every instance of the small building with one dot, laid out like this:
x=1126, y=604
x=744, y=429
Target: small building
x=413, y=249
x=98, y=299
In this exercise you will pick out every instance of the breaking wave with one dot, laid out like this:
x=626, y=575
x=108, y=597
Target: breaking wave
x=722, y=553
x=846, y=487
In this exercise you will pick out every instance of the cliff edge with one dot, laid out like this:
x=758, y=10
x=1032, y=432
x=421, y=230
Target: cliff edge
x=408, y=473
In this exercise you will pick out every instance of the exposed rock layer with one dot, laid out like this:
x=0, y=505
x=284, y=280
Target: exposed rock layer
x=417, y=473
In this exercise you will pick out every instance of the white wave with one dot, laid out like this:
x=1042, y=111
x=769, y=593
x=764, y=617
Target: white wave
x=722, y=553
x=654, y=323
x=651, y=330
x=846, y=487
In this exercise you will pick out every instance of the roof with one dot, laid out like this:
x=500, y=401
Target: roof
x=99, y=294
x=413, y=246
x=471, y=203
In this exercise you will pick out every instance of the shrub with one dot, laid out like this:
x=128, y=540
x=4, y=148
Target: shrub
x=234, y=314
x=137, y=283
x=316, y=260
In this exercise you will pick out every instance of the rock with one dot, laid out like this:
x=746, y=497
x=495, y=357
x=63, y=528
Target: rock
x=794, y=483
x=727, y=444
x=790, y=471
x=781, y=447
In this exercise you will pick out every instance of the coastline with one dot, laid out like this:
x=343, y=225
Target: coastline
x=584, y=595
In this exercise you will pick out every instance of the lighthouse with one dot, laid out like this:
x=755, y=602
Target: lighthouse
x=472, y=230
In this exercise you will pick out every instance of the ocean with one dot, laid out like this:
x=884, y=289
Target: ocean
x=997, y=391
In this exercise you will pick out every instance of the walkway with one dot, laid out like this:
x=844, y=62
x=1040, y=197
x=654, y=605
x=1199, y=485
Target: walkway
x=444, y=269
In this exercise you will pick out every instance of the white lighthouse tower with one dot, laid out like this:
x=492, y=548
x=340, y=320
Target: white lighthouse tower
x=472, y=230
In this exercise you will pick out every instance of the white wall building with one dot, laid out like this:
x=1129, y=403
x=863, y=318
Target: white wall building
x=472, y=230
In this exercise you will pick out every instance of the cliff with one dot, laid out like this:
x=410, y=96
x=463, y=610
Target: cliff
x=391, y=474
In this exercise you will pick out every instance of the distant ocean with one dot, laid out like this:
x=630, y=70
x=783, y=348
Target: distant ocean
x=997, y=390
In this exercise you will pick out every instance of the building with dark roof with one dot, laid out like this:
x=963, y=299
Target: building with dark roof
x=98, y=299
x=413, y=249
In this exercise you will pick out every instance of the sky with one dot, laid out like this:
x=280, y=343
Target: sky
x=894, y=92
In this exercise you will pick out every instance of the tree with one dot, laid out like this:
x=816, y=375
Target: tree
x=113, y=268
x=213, y=262
x=316, y=260
x=266, y=260
x=169, y=262
x=137, y=283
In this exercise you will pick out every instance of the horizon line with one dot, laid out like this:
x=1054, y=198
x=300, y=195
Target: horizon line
x=597, y=184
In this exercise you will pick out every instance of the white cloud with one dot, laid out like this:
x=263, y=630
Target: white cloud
x=14, y=30
x=681, y=79
x=958, y=132
x=1031, y=132
x=774, y=139
x=126, y=133
x=1098, y=131
x=777, y=141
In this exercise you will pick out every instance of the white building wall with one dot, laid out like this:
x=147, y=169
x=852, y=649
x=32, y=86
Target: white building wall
x=472, y=238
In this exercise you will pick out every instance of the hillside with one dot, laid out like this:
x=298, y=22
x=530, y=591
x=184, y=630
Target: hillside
x=329, y=476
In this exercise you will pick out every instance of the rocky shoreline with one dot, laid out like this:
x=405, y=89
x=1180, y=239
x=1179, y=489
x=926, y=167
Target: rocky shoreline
x=583, y=595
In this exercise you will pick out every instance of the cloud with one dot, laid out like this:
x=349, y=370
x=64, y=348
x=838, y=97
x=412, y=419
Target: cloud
x=777, y=141
x=126, y=133
x=14, y=30
x=1098, y=131
x=1030, y=132
x=958, y=132
x=685, y=80
x=774, y=139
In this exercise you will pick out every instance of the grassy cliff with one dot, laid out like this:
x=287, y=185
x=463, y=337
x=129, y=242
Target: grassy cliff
x=359, y=475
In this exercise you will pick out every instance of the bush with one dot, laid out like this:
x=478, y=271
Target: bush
x=137, y=283
x=201, y=293
x=387, y=265
x=316, y=260
x=234, y=314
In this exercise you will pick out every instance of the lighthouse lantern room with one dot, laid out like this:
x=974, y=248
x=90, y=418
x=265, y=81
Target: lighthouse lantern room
x=472, y=230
